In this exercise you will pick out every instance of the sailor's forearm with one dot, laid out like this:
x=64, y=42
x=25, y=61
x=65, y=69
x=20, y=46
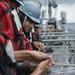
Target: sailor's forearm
x=21, y=55
x=32, y=56
x=37, y=72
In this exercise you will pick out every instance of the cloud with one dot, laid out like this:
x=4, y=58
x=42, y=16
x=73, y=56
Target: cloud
x=65, y=1
x=44, y=2
x=69, y=11
x=68, y=2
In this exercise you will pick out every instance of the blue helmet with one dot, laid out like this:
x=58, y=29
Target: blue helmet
x=52, y=20
x=40, y=24
x=20, y=2
x=38, y=2
x=31, y=10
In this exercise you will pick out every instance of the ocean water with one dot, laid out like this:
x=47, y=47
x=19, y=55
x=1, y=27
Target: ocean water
x=69, y=26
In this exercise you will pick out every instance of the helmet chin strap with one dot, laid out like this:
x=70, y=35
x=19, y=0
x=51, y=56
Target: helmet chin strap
x=25, y=18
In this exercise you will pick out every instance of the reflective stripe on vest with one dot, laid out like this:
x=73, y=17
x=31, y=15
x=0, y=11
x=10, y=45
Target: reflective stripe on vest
x=17, y=21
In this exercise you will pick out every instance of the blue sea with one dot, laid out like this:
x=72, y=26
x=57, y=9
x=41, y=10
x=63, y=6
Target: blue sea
x=69, y=26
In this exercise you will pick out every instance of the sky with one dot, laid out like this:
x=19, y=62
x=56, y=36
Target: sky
x=63, y=5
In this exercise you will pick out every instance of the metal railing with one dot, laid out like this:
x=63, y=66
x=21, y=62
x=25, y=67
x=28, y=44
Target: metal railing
x=56, y=33
x=61, y=64
x=59, y=46
x=70, y=35
x=61, y=53
x=58, y=40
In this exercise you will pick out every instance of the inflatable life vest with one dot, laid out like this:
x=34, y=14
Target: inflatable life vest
x=5, y=0
x=17, y=21
x=6, y=19
x=6, y=56
x=36, y=34
x=8, y=26
x=6, y=46
x=23, y=43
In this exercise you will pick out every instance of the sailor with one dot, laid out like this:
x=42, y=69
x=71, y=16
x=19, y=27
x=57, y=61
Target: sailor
x=52, y=23
x=7, y=60
x=10, y=25
x=6, y=19
x=29, y=17
x=24, y=44
x=36, y=30
x=43, y=60
x=51, y=28
x=35, y=35
x=19, y=23
x=21, y=55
